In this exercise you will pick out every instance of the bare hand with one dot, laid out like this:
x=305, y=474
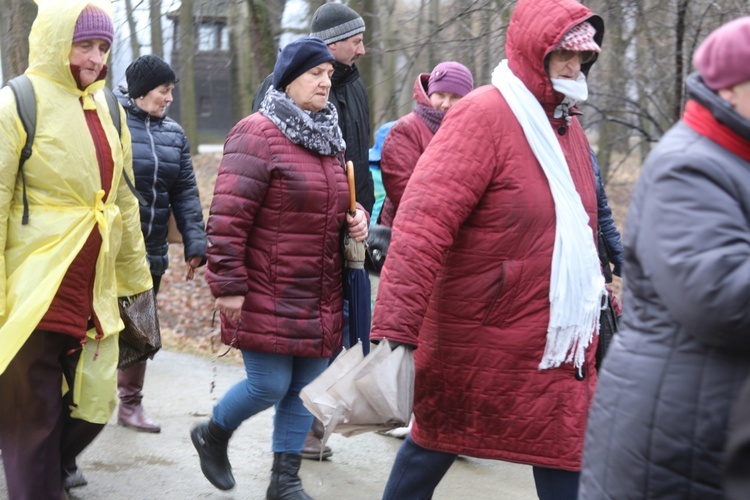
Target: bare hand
x=230, y=305
x=192, y=264
x=357, y=225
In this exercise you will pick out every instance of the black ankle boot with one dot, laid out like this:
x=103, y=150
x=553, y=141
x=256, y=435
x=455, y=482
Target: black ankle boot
x=285, y=481
x=212, y=441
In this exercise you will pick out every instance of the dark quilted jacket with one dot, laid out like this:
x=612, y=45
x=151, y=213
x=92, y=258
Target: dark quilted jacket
x=164, y=177
x=274, y=237
x=658, y=425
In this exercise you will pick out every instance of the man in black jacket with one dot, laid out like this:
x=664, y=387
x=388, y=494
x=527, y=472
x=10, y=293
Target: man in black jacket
x=342, y=29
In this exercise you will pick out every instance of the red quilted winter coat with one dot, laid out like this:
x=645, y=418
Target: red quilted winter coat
x=404, y=144
x=273, y=237
x=468, y=272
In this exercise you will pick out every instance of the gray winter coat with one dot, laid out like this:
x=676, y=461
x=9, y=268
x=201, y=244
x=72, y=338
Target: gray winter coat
x=658, y=424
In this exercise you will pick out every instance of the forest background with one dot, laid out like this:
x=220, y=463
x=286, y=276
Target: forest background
x=636, y=86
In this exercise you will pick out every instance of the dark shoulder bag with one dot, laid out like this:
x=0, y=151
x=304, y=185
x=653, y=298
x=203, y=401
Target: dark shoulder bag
x=378, y=240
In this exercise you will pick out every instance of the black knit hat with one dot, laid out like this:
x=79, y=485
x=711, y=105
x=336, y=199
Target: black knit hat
x=335, y=21
x=297, y=57
x=146, y=73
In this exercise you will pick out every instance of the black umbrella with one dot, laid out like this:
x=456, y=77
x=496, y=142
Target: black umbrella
x=356, y=279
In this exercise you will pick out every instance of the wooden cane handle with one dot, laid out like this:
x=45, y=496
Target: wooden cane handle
x=352, y=187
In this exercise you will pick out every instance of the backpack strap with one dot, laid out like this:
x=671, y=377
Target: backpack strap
x=114, y=113
x=23, y=91
x=114, y=109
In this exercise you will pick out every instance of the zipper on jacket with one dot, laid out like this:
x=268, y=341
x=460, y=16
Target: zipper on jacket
x=152, y=208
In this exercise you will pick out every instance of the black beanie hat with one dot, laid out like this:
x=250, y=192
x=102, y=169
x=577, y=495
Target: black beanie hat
x=146, y=73
x=297, y=57
x=335, y=21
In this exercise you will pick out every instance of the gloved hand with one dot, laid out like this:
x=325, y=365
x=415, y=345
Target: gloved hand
x=617, y=271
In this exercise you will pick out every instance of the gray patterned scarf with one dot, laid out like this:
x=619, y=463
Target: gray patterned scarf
x=317, y=131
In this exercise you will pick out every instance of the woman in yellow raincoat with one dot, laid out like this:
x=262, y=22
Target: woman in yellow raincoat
x=82, y=247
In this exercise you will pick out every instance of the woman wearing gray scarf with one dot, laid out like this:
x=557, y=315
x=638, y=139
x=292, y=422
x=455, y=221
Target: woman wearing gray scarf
x=274, y=260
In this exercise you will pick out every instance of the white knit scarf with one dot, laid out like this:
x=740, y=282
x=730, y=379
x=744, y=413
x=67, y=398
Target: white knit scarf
x=576, y=282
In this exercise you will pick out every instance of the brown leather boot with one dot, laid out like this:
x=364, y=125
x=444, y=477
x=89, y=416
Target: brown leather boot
x=131, y=413
x=314, y=443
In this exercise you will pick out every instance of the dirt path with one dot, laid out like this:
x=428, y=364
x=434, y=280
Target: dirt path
x=126, y=465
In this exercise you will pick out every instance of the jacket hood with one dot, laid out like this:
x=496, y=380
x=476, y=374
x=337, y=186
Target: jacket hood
x=420, y=89
x=536, y=27
x=52, y=36
x=376, y=151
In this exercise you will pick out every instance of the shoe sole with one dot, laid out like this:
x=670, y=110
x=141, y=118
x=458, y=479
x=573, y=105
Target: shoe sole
x=317, y=456
x=139, y=429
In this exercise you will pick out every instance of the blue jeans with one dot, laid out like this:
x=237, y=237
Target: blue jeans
x=272, y=379
x=417, y=472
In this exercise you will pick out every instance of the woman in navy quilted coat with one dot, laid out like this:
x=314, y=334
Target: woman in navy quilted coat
x=165, y=179
x=274, y=260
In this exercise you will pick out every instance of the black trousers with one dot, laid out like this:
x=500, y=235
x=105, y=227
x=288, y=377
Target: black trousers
x=38, y=437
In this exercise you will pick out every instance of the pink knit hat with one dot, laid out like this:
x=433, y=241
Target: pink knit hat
x=723, y=59
x=450, y=77
x=580, y=38
x=93, y=23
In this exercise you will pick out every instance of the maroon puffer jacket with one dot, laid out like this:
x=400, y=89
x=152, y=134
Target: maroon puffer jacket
x=273, y=237
x=467, y=277
x=404, y=144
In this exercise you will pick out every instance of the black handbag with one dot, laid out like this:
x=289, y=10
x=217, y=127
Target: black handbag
x=378, y=240
x=141, y=337
x=608, y=326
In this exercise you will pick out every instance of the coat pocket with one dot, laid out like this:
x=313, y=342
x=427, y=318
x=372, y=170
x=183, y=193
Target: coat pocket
x=504, y=295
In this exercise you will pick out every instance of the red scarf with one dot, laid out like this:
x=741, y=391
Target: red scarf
x=701, y=120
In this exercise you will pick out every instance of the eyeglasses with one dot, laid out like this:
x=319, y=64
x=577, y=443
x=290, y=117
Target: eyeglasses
x=565, y=55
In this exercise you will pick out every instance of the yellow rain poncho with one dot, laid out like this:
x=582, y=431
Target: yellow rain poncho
x=63, y=188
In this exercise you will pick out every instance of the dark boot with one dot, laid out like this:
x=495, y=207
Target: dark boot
x=212, y=441
x=131, y=413
x=285, y=481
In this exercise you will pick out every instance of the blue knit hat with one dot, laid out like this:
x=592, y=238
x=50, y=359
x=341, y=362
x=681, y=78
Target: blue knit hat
x=297, y=57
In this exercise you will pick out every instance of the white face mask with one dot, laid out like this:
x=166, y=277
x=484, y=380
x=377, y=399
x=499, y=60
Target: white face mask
x=576, y=90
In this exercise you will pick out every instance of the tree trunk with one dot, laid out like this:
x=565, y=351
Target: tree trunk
x=679, y=59
x=432, y=53
x=365, y=65
x=264, y=25
x=242, y=85
x=157, y=43
x=187, y=74
x=135, y=47
x=16, y=20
